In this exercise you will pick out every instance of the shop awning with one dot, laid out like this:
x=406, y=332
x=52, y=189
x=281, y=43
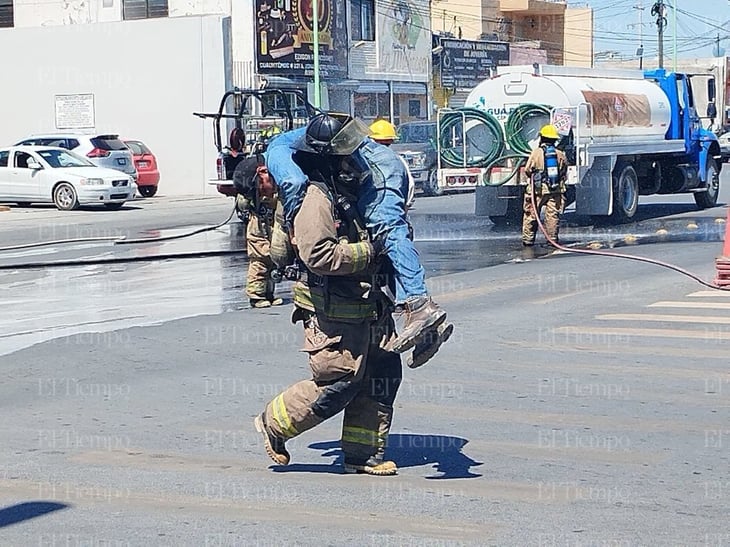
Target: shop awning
x=398, y=87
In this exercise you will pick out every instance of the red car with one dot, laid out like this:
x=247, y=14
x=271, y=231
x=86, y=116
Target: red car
x=146, y=164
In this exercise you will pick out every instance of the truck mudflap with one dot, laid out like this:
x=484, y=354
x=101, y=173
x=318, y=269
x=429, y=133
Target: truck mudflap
x=593, y=195
x=497, y=201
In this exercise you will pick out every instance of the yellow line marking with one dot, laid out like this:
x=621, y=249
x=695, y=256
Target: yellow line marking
x=710, y=293
x=697, y=305
x=712, y=319
x=657, y=333
x=555, y=298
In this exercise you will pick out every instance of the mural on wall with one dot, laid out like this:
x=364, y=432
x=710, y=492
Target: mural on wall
x=285, y=36
x=404, y=39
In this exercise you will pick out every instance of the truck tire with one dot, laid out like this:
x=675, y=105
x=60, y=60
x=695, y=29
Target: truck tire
x=708, y=198
x=625, y=192
x=431, y=186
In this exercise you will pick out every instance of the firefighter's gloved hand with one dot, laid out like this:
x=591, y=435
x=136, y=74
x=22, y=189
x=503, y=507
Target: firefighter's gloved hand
x=378, y=244
x=243, y=204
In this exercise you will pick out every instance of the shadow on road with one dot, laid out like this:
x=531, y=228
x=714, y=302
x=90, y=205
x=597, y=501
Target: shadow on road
x=14, y=514
x=442, y=452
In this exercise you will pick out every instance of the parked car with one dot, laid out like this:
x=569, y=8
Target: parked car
x=42, y=174
x=724, y=141
x=417, y=145
x=102, y=150
x=148, y=177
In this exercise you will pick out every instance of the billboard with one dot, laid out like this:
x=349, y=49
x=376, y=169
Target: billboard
x=404, y=40
x=284, y=38
x=465, y=63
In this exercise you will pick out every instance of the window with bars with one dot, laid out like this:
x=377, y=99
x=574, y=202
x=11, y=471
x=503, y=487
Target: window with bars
x=143, y=9
x=7, y=16
x=362, y=22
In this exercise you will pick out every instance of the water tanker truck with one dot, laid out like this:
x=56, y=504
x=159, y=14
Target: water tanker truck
x=626, y=133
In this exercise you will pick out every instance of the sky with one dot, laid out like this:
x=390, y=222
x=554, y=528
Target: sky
x=616, y=27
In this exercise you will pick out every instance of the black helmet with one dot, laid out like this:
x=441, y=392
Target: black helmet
x=320, y=131
x=332, y=134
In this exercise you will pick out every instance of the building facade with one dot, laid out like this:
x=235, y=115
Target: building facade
x=144, y=66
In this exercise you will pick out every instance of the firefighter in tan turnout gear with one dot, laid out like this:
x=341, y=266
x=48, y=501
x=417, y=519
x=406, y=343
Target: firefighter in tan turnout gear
x=346, y=317
x=547, y=169
x=257, y=198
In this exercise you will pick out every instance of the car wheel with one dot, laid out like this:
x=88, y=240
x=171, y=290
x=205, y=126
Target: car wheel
x=64, y=197
x=708, y=198
x=148, y=191
x=113, y=206
x=431, y=186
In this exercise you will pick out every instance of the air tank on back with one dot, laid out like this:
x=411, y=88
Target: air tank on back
x=611, y=105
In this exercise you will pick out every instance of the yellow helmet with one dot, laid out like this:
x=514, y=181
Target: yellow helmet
x=549, y=131
x=382, y=130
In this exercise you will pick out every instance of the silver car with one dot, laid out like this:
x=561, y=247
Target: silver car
x=102, y=150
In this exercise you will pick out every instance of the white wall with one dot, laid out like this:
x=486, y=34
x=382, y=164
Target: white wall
x=147, y=78
x=35, y=13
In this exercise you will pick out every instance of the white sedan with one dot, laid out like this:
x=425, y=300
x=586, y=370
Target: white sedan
x=43, y=174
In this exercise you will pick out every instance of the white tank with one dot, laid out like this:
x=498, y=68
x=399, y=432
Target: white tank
x=624, y=105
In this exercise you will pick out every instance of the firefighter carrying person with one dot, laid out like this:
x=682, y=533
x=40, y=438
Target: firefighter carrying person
x=346, y=317
x=380, y=202
x=547, y=171
x=257, y=201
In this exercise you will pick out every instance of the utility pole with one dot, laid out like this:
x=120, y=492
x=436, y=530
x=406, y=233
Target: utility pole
x=315, y=47
x=640, y=50
x=658, y=10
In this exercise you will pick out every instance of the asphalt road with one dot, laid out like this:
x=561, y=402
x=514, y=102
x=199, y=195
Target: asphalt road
x=581, y=401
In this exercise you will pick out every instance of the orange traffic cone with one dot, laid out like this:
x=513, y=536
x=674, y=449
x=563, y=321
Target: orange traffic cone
x=722, y=263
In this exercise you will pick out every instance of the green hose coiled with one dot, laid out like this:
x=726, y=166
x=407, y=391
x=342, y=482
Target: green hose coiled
x=484, y=141
x=523, y=125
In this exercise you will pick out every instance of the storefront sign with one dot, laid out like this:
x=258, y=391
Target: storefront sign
x=465, y=63
x=404, y=40
x=285, y=37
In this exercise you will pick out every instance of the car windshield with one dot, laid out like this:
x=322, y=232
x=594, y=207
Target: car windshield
x=138, y=148
x=425, y=132
x=63, y=158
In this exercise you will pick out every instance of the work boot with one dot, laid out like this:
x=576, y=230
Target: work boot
x=429, y=344
x=275, y=447
x=260, y=303
x=421, y=313
x=372, y=466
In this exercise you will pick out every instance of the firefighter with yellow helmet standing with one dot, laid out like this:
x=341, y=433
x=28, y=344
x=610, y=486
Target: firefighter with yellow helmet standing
x=547, y=170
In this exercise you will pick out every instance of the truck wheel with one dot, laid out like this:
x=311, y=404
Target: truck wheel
x=708, y=198
x=625, y=193
x=431, y=186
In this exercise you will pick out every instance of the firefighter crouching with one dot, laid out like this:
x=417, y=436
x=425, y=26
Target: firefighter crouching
x=347, y=319
x=257, y=200
x=547, y=169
